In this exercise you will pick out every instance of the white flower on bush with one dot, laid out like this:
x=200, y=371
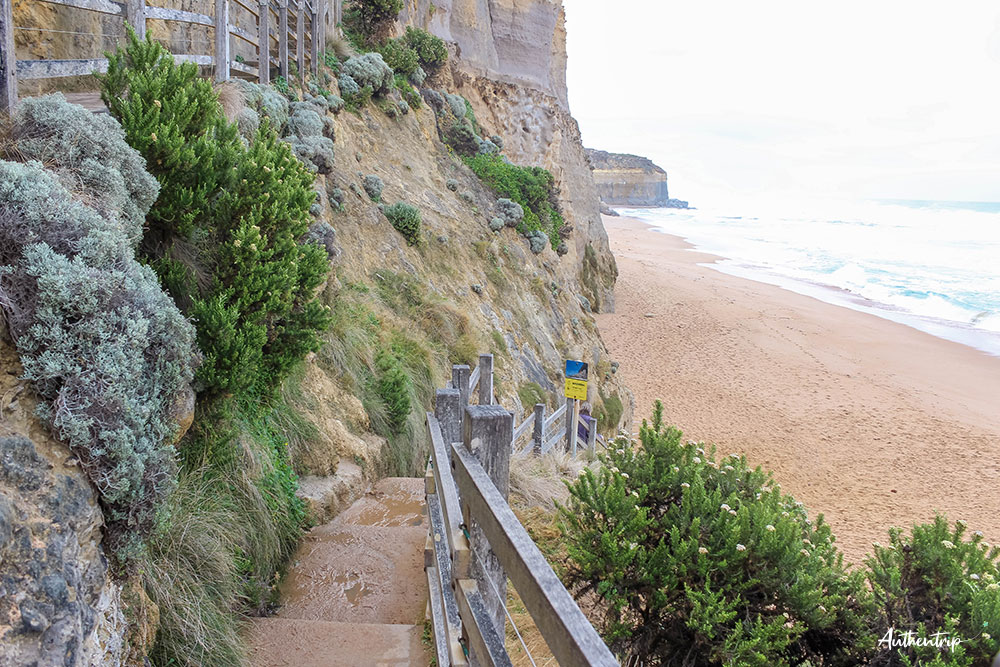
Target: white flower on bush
x=635, y=493
x=974, y=577
x=740, y=547
x=784, y=514
x=733, y=512
x=702, y=550
x=978, y=533
x=676, y=469
x=728, y=468
x=734, y=456
x=877, y=545
x=987, y=636
x=947, y=544
x=804, y=552
x=696, y=460
x=685, y=485
x=769, y=528
x=807, y=542
x=993, y=587
x=624, y=475
x=724, y=507
x=962, y=523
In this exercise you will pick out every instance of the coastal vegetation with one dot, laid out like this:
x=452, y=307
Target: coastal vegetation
x=696, y=560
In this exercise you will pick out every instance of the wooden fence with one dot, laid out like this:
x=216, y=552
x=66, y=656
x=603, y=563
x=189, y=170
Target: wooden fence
x=286, y=31
x=476, y=542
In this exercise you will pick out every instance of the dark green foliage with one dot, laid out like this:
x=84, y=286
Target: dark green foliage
x=531, y=187
x=937, y=579
x=400, y=57
x=172, y=117
x=280, y=84
x=702, y=563
x=331, y=60
x=370, y=18
x=411, y=96
x=406, y=219
x=431, y=51
x=234, y=256
x=394, y=390
x=461, y=137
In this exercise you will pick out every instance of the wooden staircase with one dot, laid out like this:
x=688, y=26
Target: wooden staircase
x=356, y=593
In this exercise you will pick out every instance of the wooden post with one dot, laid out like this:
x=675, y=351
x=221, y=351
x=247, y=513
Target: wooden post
x=493, y=428
x=264, y=42
x=135, y=15
x=8, y=61
x=222, y=57
x=448, y=412
x=283, y=38
x=314, y=51
x=300, y=37
x=571, y=417
x=538, y=435
x=485, y=379
x=460, y=380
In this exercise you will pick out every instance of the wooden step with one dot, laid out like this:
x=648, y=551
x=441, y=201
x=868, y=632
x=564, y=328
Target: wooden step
x=280, y=642
x=392, y=502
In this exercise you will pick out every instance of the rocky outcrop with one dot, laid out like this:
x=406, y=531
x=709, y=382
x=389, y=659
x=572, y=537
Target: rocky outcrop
x=629, y=180
x=58, y=605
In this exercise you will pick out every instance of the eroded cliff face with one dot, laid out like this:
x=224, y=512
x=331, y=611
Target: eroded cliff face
x=510, y=63
x=628, y=180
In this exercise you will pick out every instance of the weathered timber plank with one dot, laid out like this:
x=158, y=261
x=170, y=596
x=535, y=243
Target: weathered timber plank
x=242, y=34
x=523, y=427
x=8, y=66
x=48, y=69
x=485, y=379
x=451, y=509
x=179, y=15
x=555, y=416
x=102, y=6
x=486, y=643
x=538, y=436
x=474, y=379
x=197, y=60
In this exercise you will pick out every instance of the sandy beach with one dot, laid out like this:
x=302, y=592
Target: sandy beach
x=870, y=422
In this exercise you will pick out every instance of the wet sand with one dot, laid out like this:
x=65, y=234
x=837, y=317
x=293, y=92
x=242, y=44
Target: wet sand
x=870, y=422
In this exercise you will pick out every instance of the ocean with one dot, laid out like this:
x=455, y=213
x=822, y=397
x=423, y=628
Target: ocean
x=934, y=266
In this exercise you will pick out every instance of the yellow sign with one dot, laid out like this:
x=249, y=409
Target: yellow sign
x=576, y=389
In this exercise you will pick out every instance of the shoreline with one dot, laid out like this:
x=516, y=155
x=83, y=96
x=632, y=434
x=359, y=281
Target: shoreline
x=871, y=422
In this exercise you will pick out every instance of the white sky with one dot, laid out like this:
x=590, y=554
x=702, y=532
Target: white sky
x=737, y=98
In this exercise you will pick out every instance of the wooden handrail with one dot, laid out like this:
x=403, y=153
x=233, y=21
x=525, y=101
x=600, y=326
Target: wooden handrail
x=555, y=416
x=568, y=633
x=136, y=12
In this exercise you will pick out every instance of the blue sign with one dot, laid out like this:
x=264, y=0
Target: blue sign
x=576, y=370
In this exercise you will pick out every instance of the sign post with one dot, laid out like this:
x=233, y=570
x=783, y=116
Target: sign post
x=575, y=390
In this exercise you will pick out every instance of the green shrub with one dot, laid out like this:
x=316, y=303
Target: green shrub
x=406, y=219
x=533, y=188
x=394, y=390
x=106, y=348
x=704, y=563
x=937, y=579
x=254, y=301
x=400, y=57
x=431, y=51
x=172, y=117
x=411, y=96
x=371, y=18
x=369, y=70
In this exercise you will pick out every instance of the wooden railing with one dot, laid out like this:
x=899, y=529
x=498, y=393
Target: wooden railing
x=476, y=542
x=304, y=21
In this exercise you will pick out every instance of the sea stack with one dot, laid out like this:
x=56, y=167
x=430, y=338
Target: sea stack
x=630, y=180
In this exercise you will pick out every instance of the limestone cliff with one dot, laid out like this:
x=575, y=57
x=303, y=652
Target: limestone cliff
x=630, y=180
x=510, y=63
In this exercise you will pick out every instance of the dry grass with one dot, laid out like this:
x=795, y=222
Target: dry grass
x=8, y=142
x=231, y=99
x=340, y=47
x=538, y=481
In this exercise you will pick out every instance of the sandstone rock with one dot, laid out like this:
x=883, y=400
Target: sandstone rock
x=182, y=412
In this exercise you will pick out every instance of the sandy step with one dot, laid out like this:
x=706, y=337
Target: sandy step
x=357, y=574
x=278, y=642
x=392, y=502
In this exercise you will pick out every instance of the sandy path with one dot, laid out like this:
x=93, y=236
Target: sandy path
x=870, y=422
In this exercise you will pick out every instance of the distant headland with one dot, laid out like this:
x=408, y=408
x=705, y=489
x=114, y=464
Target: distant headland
x=630, y=180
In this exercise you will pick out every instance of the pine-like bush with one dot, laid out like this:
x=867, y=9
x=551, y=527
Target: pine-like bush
x=371, y=17
x=937, y=579
x=400, y=57
x=394, y=390
x=431, y=51
x=406, y=219
x=699, y=562
x=172, y=117
x=225, y=230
